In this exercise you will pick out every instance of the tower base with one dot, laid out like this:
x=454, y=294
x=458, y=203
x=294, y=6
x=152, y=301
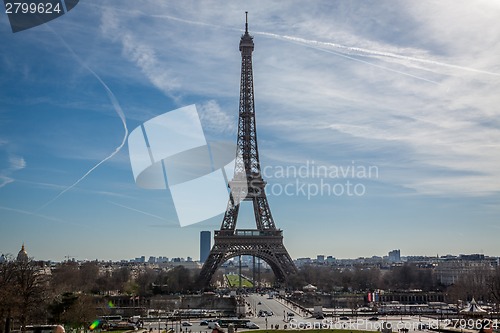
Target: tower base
x=267, y=245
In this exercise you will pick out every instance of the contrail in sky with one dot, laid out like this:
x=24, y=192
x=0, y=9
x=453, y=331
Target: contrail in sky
x=366, y=52
x=138, y=211
x=351, y=50
x=371, y=64
x=119, y=112
x=25, y=212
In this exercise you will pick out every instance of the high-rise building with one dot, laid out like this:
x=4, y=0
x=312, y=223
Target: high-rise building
x=395, y=256
x=205, y=245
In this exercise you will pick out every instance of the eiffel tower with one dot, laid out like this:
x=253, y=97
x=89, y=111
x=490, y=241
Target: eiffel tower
x=265, y=242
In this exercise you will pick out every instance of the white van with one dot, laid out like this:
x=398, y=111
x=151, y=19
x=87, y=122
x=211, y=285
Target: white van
x=213, y=324
x=252, y=325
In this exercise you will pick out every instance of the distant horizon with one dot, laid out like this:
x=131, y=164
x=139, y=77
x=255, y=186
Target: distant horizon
x=194, y=259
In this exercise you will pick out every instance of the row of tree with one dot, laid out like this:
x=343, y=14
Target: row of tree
x=328, y=278
x=71, y=293
x=483, y=283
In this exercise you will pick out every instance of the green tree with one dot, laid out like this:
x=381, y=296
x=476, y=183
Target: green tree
x=80, y=313
x=145, y=281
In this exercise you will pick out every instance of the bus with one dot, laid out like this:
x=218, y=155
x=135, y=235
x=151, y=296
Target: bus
x=40, y=328
x=239, y=323
x=111, y=318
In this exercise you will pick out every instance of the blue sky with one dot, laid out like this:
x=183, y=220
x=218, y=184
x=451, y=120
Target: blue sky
x=408, y=88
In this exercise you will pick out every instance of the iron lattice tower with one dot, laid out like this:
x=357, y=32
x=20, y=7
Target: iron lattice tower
x=265, y=242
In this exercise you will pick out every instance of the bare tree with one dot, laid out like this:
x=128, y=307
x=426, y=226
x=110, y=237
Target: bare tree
x=473, y=284
x=493, y=284
x=30, y=290
x=22, y=293
x=120, y=278
x=7, y=295
x=65, y=277
x=88, y=274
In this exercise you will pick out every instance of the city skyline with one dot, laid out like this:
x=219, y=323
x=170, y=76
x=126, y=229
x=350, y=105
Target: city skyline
x=377, y=124
x=164, y=258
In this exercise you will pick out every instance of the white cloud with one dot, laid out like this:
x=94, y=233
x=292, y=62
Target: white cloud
x=141, y=54
x=213, y=118
x=16, y=163
x=11, y=163
x=418, y=82
x=146, y=59
x=442, y=126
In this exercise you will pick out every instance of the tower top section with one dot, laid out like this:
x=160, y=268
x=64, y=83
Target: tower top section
x=246, y=42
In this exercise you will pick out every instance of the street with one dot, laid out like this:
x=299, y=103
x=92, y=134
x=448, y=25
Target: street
x=300, y=320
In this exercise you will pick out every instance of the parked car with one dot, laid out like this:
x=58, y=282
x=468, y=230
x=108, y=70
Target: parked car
x=373, y=318
x=265, y=313
x=203, y=323
x=186, y=323
x=344, y=318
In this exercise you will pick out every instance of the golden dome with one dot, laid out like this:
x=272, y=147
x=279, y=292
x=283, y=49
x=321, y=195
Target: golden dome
x=22, y=255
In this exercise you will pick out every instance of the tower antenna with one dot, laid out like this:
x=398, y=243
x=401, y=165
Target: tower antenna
x=246, y=22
